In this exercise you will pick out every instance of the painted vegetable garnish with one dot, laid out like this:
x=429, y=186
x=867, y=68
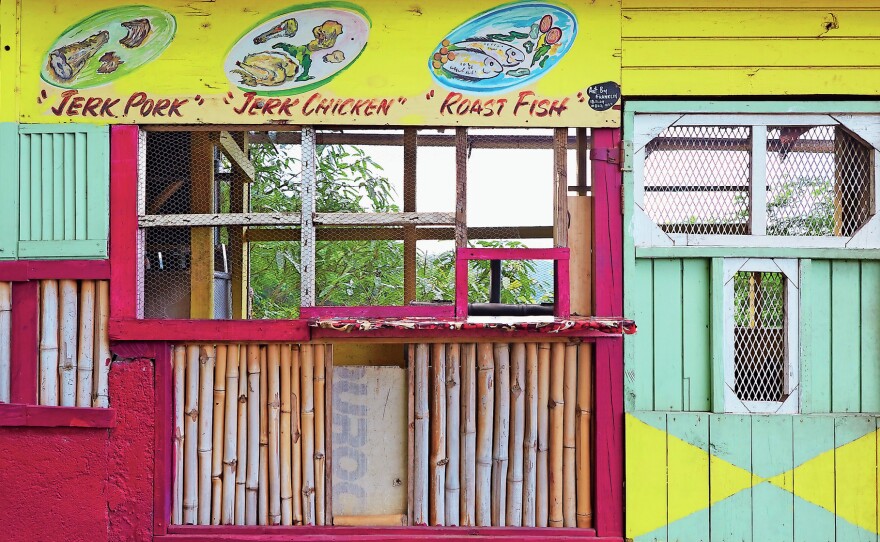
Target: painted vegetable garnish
x=553, y=36
x=545, y=23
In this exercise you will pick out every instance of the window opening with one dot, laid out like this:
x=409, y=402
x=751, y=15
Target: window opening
x=759, y=335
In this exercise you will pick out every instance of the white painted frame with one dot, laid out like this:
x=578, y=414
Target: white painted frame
x=648, y=126
x=791, y=296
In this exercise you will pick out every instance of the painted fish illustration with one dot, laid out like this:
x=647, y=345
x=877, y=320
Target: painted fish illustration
x=508, y=55
x=471, y=65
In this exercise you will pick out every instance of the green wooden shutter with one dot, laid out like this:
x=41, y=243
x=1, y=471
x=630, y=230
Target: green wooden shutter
x=8, y=190
x=64, y=183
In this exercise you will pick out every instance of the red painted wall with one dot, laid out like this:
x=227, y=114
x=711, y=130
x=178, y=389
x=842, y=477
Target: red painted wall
x=76, y=484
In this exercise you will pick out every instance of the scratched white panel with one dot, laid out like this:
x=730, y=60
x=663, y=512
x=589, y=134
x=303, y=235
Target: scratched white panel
x=369, y=440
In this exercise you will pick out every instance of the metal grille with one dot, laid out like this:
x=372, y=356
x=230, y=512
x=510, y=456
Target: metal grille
x=759, y=336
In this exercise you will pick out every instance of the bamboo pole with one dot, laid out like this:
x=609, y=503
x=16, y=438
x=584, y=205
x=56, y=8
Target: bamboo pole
x=274, y=399
x=381, y=520
x=191, y=442
x=437, y=410
x=102, y=345
x=501, y=438
x=556, y=406
x=206, y=420
x=219, y=435
x=67, y=348
x=468, y=434
x=85, y=363
x=230, y=434
x=263, y=495
x=328, y=435
x=286, y=490
x=320, y=459
x=542, y=499
x=253, y=433
x=296, y=436
x=6, y=341
x=179, y=371
x=583, y=452
x=242, y=465
x=421, y=421
x=530, y=439
x=308, y=433
x=514, y=512
x=453, y=427
x=485, y=407
x=49, y=343
x=569, y=394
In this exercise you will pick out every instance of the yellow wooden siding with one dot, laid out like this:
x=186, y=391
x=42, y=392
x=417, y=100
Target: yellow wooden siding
x=9, y=64
x=747, y=47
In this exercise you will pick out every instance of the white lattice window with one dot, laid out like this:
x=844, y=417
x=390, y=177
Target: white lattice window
x=761, y=335
x=756, y=180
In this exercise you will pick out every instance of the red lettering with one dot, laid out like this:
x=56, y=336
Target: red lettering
x=271, y=104
x=345, y=102
x=541, y=106
x=370, y=109
x=501, y=103
x=106, y=108
x=285, y=107
x=147, y=108
x=558, y=108
x=175, y=107
x=323, y=107
x=521, y=100
x=65, y=97
x=451, y=99
x=91, y=105
x=305, y=107
x=135, y=100
x=248, y=97
x=161, y=106
x=75, y=104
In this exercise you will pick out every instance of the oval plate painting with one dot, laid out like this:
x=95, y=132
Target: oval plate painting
x=506, y=47
x=297, y=50
x=107, y=46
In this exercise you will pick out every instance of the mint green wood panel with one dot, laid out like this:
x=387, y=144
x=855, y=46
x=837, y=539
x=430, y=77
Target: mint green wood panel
x=855, y=482
x=773, y=508
x=9, y=183
x=640, y=373
x=730, y=439
x=805, y=334
x=820, y=370
x=845, y=336
x=693, y=429
x=697, y=361
x=667, y=335
x=716, y=340
x=65, y=189
x=757, y=252
x=870, y=327
x=811, y=436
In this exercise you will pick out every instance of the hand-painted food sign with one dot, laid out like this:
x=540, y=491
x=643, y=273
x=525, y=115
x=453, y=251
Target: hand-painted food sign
x=297, y=50
x=107, y=45
x=503, y=48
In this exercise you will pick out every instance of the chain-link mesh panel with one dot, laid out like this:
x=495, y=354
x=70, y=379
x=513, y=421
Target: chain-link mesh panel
x=818, y=181
x=759, y=335
x=696, y=179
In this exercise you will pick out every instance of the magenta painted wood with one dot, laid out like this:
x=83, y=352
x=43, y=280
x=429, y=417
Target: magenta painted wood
x=53, y=416
x=607, y=227
x=465, y=335
x=608, y=457
x=13, y=415
x=25, y=342
x=209, y=330
x=512, y=253
x=15, y=271
x=461, y=287
x=23, y=270
x=561, y=289
x=405, y=311
x=123, y=220
x=130, y=350
x=163, y=468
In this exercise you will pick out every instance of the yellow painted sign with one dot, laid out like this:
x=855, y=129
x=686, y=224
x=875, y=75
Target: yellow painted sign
x=374, y=62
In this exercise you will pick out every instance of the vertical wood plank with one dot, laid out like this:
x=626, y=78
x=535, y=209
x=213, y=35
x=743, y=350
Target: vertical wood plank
x=667, y=335
x=80, y=186
x=164, y=464
x=239, y=202
x=58, y=166
x=201, y=238
x=25, y=342
x=640, y=376
x=410, y=153
x=580, y=241
x=855, y=482
x=820, y=298
x=870, y=328
x=69, y=186
x=646, y=485
x=730, y=438
x=461, y=145
x=123, y=252
x=688, y=475
x=36, y=182
x=811, y=437
x=773, y=508
x=607, y=227
x=845, y=333
x=47, y=177
x=697, y=360
x=758, y=186
x=97, y=143
x=560, y=181
x=608, y=460
x=16, y=186
x=805, y=321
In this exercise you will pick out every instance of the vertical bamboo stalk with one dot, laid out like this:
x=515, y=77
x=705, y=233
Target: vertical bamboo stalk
x=308, y=433
x=453, y=427
x=468, y=434
x=191, y=438
x=274, y=399
x=556, y=406
x=501, y=439
x=253, y=433
x=179, y=434
x=67, y=351
x=320, y=459
x=583, y=453
x=102, y=345
x=542, y=498
x=242, y=465
x=485, y=407
x=569, y=394
x=206, y=420
x=6, y=341
x=437, y=409
x=517, y=429
x=328, y=435
x=421, y=421
x=219, y=434
x=263, y=496
x=85, y=363
x=296, y=436
x=49, y=343
x=230, y=437
x=286, y=490
x=530, y=439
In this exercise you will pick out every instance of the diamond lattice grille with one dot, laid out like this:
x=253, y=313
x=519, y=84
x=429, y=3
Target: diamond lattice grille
x=759, y=336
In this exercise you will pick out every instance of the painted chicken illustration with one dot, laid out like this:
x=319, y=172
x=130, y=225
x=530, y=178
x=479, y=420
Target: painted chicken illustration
x=266, y=68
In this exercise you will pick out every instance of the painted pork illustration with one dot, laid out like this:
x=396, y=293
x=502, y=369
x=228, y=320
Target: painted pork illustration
x=507, y=55
x=266, y=68
x=285, y=29
x=66, y=62
x=138, y=31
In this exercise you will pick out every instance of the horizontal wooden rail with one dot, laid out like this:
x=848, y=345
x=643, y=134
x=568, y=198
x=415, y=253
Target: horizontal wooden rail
x=385, y=219
x=18, y=415
x=513, y=253
x=385, y=139
x=23, y=270
x=221, y=219
x=439, y=233
x=209, y=330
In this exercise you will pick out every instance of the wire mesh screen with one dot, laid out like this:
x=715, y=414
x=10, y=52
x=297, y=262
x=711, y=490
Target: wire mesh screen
x=759, y=336
x=818, y=181
x=696, y=179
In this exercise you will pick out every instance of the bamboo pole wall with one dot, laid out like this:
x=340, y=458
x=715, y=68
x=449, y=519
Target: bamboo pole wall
x=505, y=429
x=250, y=439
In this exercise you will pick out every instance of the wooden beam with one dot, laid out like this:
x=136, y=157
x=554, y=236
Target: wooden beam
x=384, y=219
x=560, y=182
x=164, y=196
x=396, y=233
x=222, y=219
x=239, y=251
x=580, y=239
x=397, y=139
x=202, y=238
x=582, y=144
x=461, y=148
x=410, y=154
x=237, y=154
